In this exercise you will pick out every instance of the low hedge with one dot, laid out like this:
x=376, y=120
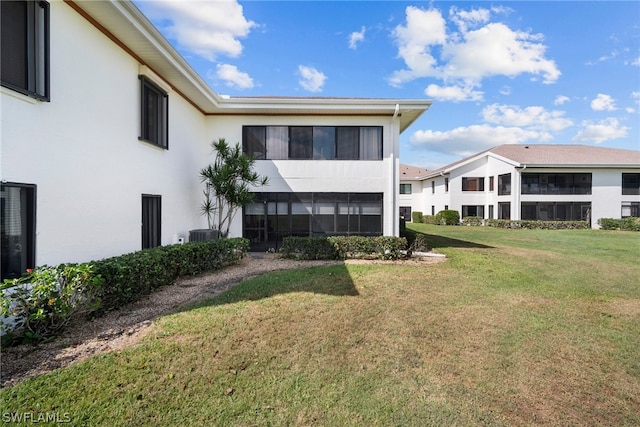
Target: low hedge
x=130, y=276
x=473, y=220
x=627, y=224
x=343, y=247
x=430, y=219
x=537, y=224
x=416, y=216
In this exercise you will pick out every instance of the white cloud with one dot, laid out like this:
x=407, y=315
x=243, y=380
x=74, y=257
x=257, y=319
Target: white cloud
x=452, y=93
x=560, y=100
x=464, y=141
x=311, y=79
x=480, y=49
x=602, y=131
x=531, y=118
x=636, y=62
x=603, y=102
x=233, y=77
x=355, y=38
x=208, y=30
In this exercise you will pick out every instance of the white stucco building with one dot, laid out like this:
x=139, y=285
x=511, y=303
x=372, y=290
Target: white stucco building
x=105, y=127
x=537, y=182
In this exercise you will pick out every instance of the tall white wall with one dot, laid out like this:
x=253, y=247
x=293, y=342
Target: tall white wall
x=82, y=150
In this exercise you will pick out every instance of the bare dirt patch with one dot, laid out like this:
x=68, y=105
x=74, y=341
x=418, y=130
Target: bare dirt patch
x=127, y=326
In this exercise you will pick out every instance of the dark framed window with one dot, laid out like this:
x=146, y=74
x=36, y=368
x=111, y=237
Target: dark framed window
x=301, y=142
x=504, y=210
x=490, y=183
x=504, y=184
x=433, y=210
x=405, y=212
x=631, y=184
x=154, y=127
x=151, y=221
x=17, y=229
x=313, y=142
x=490, y=212
x=556, y=183
x=473, y=184
x=446, y=185
x=472, y=210
x=273, y=216
x=555, y=211
x=433, y=187
x=25, y=47
x=405, y=188
x=630, y=209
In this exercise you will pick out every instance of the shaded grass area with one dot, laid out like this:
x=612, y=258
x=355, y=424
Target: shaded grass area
x=518, y=327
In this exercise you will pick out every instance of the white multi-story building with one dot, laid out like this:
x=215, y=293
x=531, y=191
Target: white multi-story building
x=534, y=182
x=105, y=128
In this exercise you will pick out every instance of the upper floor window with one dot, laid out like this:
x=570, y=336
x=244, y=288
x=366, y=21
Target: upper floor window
x=313, y=142
x=556, y=183
x=504, y=184
x=490, y=183
x=433, y=187
x=446, y=185
x=154, y=126
x=405, y=188
x=473, y=184
x=25, y=47
x=630, y=184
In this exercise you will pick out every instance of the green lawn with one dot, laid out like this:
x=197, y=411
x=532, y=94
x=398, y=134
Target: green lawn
x=516, y=328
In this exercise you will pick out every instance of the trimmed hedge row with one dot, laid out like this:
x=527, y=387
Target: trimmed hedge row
x=539, y=225
x=343, y=247
x=130, y=276
x=628, y=224
x=448, y=217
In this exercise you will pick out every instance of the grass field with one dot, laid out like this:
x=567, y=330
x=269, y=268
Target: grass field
x=516, y=328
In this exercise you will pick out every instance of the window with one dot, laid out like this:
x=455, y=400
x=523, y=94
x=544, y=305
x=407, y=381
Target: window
x=630, y=209
x=555, y=211
x=17, y=229
x=433, y=210
x=405, y=212
x=472, y=184
x=556, y=183
x=154, y=115
x=405, y=188
x=504, y=210
x=313, y=142
x=300, y=142
x=504, y=184
x=490, y=183
x=446, y=185
x=491, y=212
x=25, y=47
x=151, y=221
x=630, y=184
x=433, y=187
x=471, y=210
x=273, y=216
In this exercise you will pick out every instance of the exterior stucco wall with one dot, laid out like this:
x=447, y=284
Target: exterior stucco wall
x=82, y=150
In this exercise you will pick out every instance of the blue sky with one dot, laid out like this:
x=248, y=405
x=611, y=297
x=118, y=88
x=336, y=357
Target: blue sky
x=552, y=72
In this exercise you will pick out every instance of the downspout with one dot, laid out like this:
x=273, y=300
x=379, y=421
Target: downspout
x=395, y=174
x=517, y=191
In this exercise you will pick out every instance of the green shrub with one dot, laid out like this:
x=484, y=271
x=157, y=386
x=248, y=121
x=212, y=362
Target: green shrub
x=416, y=216
x=536, y=224
x=343, y=247
x=473, y=220
x=628, y=224
x=448, y=217
x=430, y=219
x=308, y=248
x=131, y=276
x=44, y=300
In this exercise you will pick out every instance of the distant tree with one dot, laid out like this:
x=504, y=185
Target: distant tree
x=227, y=185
